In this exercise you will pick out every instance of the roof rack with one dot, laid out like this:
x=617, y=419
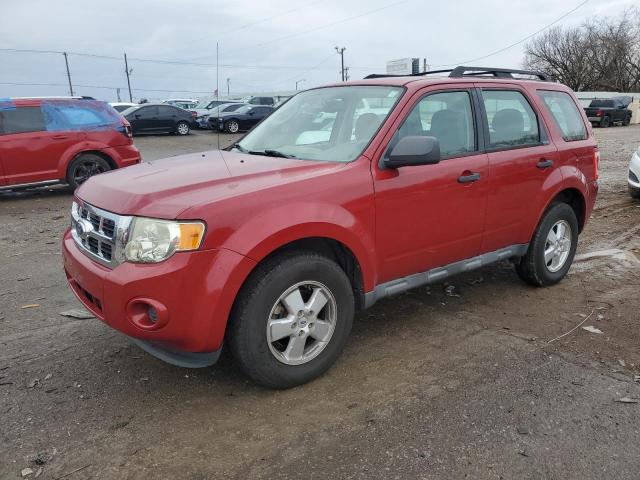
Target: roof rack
x=463, y=71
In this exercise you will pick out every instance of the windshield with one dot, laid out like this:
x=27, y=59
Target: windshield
x=129, y=110
x=332, y=124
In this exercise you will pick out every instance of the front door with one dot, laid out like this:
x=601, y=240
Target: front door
x=432, y=215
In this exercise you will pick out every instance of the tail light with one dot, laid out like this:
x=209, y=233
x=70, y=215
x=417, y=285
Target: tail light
x=596, y=163
x=599, y=113
x=128, y=131
x=194, y=114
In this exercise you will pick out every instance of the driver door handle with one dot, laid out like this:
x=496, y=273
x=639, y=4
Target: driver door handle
x=544, y=163
x=469, y=177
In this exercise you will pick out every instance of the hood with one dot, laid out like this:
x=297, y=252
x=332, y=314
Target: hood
x=166, y=188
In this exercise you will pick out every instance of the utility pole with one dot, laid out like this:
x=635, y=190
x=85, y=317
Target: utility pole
x=228, y=89
x=66, y=62
x=118, y=94
x=126, y=70
x=346, y=73
x=300, y=81
x=341, y=53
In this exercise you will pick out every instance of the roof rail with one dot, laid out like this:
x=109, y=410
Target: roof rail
x=498, y=72
x=462, y=71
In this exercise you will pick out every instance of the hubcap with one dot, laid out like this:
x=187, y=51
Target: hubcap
x=301, y=323
x=557, y=246
x=183, y=129
x=86, y=169
x=233, y=127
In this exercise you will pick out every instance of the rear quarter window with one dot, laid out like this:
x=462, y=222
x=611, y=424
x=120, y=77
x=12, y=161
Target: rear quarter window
x=79, y=115
x=21, y=120
x=565, y=113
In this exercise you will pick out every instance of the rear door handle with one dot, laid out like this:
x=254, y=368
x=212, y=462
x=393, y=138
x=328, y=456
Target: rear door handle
x=60, y=137
x=544, y=163
x=471, y=177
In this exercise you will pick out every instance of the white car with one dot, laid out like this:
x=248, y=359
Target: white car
x=122, y=106
x=634, y=175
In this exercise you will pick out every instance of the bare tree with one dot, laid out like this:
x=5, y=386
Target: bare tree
x=602, y=54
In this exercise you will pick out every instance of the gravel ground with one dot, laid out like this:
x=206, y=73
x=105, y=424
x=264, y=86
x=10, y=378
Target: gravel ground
x=430, y=385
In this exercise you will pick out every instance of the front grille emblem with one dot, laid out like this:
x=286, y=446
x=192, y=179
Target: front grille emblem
x=83, y=228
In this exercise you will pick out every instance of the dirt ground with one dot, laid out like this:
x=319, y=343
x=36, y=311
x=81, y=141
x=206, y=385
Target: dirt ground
x=431, y=386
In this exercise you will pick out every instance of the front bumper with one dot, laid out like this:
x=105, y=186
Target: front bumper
x=633, y=178
x=191, y=292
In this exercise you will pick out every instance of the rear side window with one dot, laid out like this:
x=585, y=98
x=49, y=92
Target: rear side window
x=565, y=113
x=62, y=115
x=448, y=116
x=21, y=120
x=167, y=111
x=512, y=122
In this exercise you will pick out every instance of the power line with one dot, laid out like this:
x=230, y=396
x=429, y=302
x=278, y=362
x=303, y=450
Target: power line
x=101, y=87
x=515, y=43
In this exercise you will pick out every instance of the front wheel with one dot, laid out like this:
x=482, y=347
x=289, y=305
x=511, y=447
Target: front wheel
x=231, y=126
x=552, y=247
x=291, y=319
x=634, y=192
x=626, y=121
x=85, y=166
x=182, y=128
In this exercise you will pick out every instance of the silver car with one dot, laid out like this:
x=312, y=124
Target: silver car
x=634, y=175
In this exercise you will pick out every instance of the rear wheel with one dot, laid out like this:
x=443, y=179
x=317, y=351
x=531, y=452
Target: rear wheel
x=182, y=128
x=291, y=319
x=85, y=166
x=231, y=126
x=606, y=121
x=552, y=247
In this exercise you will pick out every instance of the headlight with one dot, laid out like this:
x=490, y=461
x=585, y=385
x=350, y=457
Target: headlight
x=152, y=241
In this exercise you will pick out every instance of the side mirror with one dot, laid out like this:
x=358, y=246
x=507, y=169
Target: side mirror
x=137, y=115
x=410, y=151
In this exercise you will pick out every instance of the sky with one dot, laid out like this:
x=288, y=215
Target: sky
x=264, y=46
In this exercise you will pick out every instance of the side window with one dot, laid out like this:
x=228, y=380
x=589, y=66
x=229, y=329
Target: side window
x=167, y=111
x=147, y=112
x=21, y=120
x=565, y=113
x=512, y=122
x=448, y=116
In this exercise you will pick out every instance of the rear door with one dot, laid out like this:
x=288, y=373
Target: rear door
x=429, y=216
x=168, y=118
x=521, y=158
x=145, y=119
x=29, y=152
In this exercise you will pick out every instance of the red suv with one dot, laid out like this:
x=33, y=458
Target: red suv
x=61, y=140
x=344, y=195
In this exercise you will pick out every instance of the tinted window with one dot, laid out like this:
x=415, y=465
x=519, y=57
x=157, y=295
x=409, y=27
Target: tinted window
x=147, y=112
x=512, y=121
x=21, y=120
x=448, y=116
x=120, y=108
x=167, y=111
x=232, y=108
x=565, y=113
x=602, y=104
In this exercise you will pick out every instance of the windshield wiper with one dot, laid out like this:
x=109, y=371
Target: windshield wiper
x=271, y=153
x=237, y=146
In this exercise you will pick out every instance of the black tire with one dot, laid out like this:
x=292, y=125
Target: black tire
x=231, y=126
x=626, y=122
x=85, y=166
x=183, y=128
x=532, y=268
x=634, y=192
x=247, y=332
x=606, y=121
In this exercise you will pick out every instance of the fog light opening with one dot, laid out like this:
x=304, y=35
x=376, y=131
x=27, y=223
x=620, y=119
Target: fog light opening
x=152, y=313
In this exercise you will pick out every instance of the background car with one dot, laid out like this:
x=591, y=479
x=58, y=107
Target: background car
x=242, y=119
x=48, y=141
x=121, y=106
x=159, y=118
x=206, y=104
x=186, y=103
x=203, y=120
x=634, y=175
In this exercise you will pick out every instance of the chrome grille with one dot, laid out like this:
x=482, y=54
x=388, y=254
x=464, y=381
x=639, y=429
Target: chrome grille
x=98, y=233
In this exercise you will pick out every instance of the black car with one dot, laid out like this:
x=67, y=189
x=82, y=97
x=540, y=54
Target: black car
x=158, y=118
x=242, y=119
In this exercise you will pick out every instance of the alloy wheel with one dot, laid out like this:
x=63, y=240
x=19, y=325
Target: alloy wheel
x=301, y=323
x=557, y=246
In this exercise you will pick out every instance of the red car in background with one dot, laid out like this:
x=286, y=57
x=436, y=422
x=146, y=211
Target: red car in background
x=61, y=140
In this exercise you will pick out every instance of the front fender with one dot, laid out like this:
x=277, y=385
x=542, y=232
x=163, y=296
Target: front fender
x=263, y=234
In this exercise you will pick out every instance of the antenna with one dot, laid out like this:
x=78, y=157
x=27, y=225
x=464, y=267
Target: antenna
x=217, y=91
